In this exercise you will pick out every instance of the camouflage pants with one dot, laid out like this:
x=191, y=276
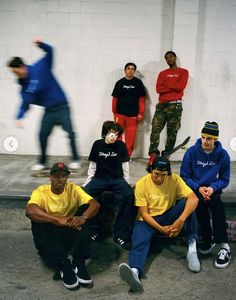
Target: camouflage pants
x=170, y=114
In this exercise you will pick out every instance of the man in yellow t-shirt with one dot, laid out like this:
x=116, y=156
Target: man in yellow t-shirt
x=158, y=210
x=59, y=214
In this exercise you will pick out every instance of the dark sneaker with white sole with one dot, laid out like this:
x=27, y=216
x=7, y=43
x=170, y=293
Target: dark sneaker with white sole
x=82, y=273
x=68, y=275
x=123, y=243
x=130, y=277
x=206, y=248
x=223, y=258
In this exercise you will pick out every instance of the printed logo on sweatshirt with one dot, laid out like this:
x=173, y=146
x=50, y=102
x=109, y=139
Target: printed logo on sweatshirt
x=109, y=154
x=204, y=164
x=172, y=75
x=129, y=86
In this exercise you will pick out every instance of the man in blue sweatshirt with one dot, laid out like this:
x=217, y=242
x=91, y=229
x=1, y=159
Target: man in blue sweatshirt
x=39, y=87
x=206, y=170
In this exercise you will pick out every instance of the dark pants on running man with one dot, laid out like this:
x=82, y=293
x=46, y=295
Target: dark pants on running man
x=170, y=114
x=56, y=116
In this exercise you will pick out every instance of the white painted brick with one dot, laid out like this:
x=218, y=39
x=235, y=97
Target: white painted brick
x=187, y=6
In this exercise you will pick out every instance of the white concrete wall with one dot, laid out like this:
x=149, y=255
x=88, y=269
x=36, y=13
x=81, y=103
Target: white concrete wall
x=93, y=39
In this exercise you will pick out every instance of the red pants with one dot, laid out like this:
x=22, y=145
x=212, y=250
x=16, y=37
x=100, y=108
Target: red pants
x=129, y=125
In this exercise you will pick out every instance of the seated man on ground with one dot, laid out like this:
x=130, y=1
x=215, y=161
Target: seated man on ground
x=158, y=210
x=59, y=214
x=109, y=171
x=206, y=170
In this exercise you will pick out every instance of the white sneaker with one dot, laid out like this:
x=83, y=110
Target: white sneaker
x=74, y=165
x=38, y=167
x=130, y=277
x=193, y=262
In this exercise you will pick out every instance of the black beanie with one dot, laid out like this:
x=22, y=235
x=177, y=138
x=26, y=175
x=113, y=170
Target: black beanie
x=210, y=129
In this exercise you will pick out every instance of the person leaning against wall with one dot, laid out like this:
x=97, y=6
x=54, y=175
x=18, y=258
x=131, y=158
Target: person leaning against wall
x=170, y=86
x=128, y=104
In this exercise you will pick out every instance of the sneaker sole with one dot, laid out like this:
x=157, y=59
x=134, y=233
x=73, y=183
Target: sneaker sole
x=71, y=286
x=207, y=251
x=81, y=280
x=126, y=275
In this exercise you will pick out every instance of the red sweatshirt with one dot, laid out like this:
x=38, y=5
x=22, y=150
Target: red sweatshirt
x=171, y=84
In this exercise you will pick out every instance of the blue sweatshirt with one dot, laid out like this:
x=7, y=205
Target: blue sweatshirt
x=199, y=168
x=40, y=87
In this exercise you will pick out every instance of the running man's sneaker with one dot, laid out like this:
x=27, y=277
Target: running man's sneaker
x=130, y=277
x=38, y=167
x=74, y=165
x=82, y=273
x=223, y=258
x=68, y=275
x=193, y=262
x=206, y=248
x=124, y=244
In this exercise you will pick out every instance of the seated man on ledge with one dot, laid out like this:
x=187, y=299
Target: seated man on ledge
x=59, y=213
x=158, y=210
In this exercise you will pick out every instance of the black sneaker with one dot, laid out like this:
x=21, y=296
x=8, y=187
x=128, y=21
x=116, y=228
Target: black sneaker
x=223, y=258
x=124, y=244
x=206, y=248
x=68, y=275
x=82, y=273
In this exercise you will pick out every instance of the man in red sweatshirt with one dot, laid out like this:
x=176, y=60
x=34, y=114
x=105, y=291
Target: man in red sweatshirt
x=128, y=104
x=170, y=87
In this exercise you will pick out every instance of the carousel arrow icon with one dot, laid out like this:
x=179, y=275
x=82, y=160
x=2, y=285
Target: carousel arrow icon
x=10, y=144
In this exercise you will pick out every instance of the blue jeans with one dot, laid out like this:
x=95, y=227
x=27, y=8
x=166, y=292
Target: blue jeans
x=143, y=234
x=124, y=198
x=58, y=115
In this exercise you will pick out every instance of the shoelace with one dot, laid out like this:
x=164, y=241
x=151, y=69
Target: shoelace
x=223, y=253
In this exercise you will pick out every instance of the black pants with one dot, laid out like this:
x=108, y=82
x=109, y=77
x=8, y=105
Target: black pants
x=55, y=243
x=123, y=198
x=218, y=229
x=58, y=115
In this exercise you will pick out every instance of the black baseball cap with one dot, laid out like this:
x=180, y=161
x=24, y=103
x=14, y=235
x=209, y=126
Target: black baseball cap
x=161, y=163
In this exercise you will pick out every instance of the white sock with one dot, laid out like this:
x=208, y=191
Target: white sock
x=135, y=271
x=192, y=246
x=226, y=246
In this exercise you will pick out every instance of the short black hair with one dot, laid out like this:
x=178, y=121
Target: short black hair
x=170, y=52
x=111, y=125
x=130, y=64
x=15, y=62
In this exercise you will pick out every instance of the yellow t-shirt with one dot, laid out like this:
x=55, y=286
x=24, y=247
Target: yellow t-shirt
x=159, y=198
x=65, y=204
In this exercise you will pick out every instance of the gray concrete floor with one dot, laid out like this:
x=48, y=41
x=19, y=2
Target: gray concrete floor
x=22, y=275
